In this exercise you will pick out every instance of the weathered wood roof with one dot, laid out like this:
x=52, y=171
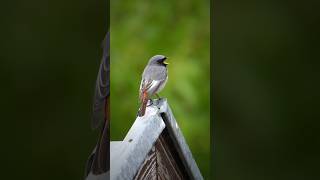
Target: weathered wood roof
x=127, y=156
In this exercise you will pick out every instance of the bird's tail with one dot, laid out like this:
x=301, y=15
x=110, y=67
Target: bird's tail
x=144, y=101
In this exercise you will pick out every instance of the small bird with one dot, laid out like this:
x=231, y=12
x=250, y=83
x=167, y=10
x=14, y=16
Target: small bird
x=99, y=161
x=154, y=78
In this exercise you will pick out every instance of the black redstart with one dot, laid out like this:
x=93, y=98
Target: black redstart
x=98, y=162
x=154, y=78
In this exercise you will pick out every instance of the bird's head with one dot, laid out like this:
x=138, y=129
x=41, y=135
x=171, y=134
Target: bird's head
x=158, y=60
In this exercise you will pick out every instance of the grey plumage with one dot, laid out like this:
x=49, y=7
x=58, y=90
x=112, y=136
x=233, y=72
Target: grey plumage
x=155, y=72
x=154, y=78
x=102, y=89
x=99, y=161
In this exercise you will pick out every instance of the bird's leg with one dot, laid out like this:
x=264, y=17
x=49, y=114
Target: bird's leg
x=156, y=101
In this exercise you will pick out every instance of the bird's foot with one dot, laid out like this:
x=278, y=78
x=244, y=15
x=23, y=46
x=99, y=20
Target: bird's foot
x=150, y=102
x=158, y=96
x=156, y=102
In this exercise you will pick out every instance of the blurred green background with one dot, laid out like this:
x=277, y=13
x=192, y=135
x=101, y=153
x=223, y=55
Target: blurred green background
x=266, y=89
x=48, y=69
x=265, y=83
x=181, y=31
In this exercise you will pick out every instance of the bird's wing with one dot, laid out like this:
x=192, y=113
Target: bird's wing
x=152, y=79
x=149, y=86
x=102, y=86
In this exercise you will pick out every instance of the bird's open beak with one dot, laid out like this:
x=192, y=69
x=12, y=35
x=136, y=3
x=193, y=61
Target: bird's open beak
x=165, y=62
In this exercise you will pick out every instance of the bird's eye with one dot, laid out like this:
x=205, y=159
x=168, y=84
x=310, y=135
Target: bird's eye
x=162, y=59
